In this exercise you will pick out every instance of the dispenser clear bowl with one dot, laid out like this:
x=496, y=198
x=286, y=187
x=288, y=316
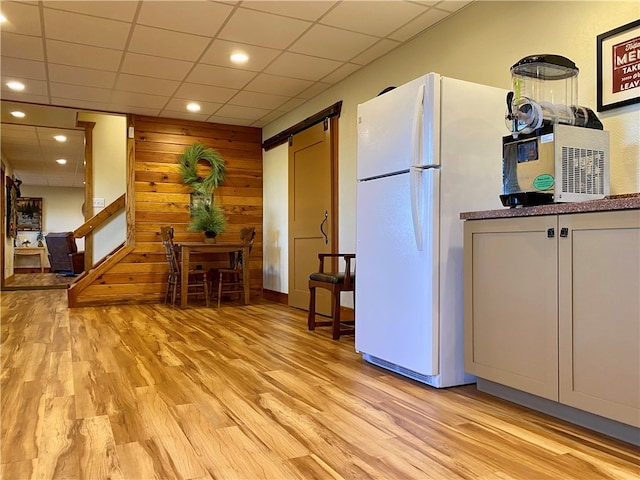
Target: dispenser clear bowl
x=545, y=88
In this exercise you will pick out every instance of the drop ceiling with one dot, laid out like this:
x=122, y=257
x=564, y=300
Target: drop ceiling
x=155, y=57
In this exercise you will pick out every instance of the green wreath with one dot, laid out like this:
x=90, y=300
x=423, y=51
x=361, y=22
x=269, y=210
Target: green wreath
x=189, y=164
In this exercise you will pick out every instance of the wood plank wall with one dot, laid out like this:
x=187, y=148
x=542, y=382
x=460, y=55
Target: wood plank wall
x=162, y=199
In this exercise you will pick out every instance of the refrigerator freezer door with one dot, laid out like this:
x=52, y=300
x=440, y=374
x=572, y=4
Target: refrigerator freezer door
x=397, y=287
x=389, y=133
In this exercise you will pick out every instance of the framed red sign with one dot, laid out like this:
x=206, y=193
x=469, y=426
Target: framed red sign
x=618, y=67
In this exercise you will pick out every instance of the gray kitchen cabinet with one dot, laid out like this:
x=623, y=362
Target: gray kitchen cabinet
x=552, y=308
x=511, y=298
x=599, y=314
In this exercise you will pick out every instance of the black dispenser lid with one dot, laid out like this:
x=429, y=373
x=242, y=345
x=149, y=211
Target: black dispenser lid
x=545, y=67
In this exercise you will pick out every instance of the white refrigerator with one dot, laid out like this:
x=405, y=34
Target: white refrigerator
x=427, y=151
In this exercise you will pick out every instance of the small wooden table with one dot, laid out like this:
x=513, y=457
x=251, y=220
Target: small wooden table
x=200, y=247
x=41, y=251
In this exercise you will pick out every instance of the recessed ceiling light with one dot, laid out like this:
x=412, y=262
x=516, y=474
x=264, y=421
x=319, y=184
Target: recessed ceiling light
x=239, y=57
x=18, y=114
x=60, y=138
x=17, y=86
x=193, y=107
x=61, y=161
x=3, y=18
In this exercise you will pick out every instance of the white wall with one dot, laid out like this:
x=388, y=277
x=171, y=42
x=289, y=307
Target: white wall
x=109, y=176
x=479, y=43
x=276, y=215
x=61, y=212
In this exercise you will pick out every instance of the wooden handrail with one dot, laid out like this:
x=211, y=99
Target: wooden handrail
x=101, y=217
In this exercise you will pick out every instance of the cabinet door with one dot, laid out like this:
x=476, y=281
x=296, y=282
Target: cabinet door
x=599, y=308
x=510, y=290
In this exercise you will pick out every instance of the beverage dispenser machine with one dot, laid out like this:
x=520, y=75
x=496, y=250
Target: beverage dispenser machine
x=557, y=150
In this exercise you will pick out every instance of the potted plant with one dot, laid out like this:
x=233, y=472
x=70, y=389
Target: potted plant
x=209, y=218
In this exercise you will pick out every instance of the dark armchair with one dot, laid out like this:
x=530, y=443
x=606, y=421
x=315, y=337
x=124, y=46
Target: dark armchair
x=64, y=256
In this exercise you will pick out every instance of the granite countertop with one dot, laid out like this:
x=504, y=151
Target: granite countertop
x=613, y=202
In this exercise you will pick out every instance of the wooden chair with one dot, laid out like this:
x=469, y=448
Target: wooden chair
x=231, y=280
x=336, y=283
x=197, y=278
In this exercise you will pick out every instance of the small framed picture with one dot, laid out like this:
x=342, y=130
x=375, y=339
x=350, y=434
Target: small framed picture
x=618, y=67
x=29, y=211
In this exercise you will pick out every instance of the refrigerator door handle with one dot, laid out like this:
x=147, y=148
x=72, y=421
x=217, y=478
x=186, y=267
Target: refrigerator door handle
x=418, y=122
x=416, y=170
x=416, y=204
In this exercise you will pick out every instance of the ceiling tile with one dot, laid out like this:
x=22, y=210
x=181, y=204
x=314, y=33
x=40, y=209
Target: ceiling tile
x=247, y=113
x=205, y=93
x=220, y=76
x=25, y=69
x=153, y=86
x=220, y=51
x=86, y=104
x=34, y=87
x=164, y=43
x=452, y=5
x=277, y=85
x=136, y=99
x=259, y=100
x=332, y=43
x=18, y=134
x=314, y=90
x=302, y=66
x=150, y=66
x=115, y=10
x=341, y=73
x=381, y=48
x=264, y=29
x=138, y=110
x=199, y=117
x=419, y=24
x=228, y=120
x=21, y=46
x=199, y=18
x=83, y=56
x=304, y=10
x=25, y=97
x=381, y=18
x=180, y=105
x=87, y=30
x=76, y=91
x=81, y=76
x=21, y=18
x=288, y=106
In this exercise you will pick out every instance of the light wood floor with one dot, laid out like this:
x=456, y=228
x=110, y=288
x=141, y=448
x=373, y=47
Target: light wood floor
x=246, y=392
x=39, y=280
